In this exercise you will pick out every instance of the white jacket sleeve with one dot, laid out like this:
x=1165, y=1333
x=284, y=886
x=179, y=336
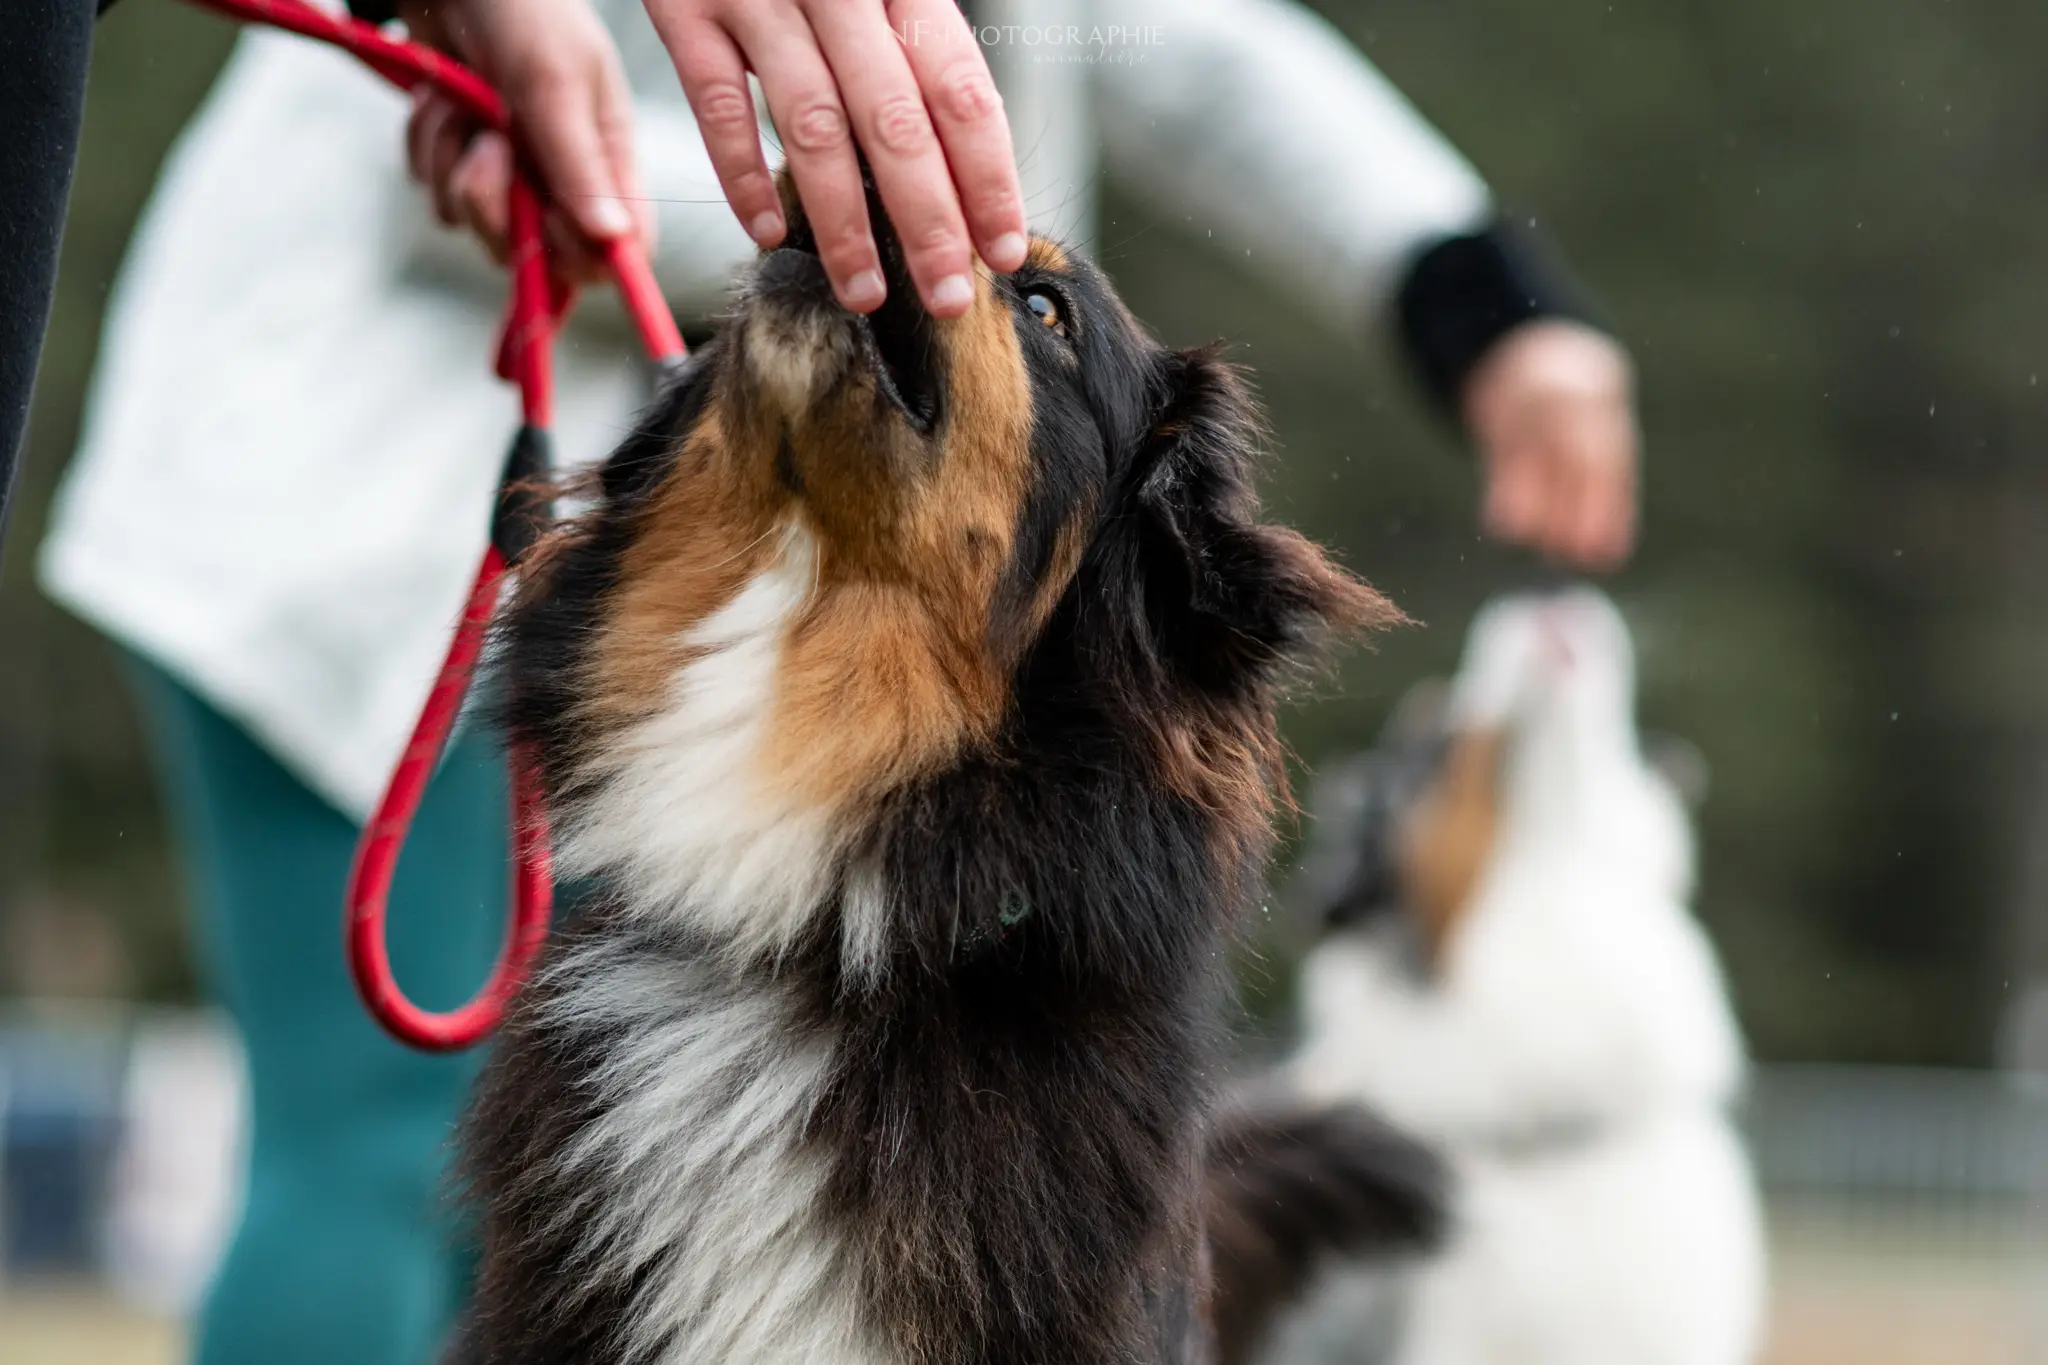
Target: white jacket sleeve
x=1257, y=120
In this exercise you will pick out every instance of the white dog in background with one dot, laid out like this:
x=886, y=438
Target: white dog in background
x=1512, y=974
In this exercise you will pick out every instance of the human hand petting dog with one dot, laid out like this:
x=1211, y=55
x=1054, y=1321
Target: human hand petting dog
x=906, y=83
x=558, y=70
x=1551, y=408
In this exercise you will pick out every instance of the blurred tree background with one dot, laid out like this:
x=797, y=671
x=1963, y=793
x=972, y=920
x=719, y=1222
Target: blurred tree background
x=1822, y=226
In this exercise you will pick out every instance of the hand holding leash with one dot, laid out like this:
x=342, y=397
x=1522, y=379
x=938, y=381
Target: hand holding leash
x=558, y=72
x=540, y=297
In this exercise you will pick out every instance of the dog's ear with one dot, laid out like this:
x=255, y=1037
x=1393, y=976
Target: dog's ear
x=1233, y=599
x=1346, y=873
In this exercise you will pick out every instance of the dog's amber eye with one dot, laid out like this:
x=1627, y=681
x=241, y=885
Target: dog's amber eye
x=1045, y=306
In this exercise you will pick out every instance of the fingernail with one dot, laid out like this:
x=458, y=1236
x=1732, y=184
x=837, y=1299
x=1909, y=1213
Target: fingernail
x=766, y=229
x=610, y=217
x=952, y=294
x=864, y=291
x=1007, y=252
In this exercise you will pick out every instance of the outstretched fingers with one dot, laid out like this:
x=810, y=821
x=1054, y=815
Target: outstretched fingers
x=906, y=85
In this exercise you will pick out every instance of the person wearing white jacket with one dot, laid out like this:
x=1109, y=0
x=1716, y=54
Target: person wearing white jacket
x=293, y=437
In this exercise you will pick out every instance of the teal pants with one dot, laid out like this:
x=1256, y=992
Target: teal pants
x=347, y=1252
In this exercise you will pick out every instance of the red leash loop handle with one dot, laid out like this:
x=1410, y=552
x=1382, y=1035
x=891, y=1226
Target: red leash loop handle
x=525, y=357
x=383, y=839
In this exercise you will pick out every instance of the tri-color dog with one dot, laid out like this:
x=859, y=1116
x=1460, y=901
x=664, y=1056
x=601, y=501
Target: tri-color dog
x=910, y=688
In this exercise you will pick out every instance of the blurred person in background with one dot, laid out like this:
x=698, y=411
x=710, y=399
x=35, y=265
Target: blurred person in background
x=293, y=438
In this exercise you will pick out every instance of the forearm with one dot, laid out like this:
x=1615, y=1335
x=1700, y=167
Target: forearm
x=1260, y=123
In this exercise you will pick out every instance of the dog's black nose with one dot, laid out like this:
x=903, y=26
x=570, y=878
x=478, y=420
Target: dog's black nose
x=792, y=270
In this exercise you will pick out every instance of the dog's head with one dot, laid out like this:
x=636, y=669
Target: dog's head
x=1033, y=503
x=1410, y=827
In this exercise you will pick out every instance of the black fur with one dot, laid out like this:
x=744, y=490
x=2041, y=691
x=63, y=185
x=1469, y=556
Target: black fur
x=1288, y=1190
x=1015, y=1126
x=544, y=643
x=534, y=1308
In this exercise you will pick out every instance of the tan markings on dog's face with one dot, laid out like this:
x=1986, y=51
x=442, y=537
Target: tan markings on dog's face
x=1447, y=838
x=891, y=669
x=891, y=666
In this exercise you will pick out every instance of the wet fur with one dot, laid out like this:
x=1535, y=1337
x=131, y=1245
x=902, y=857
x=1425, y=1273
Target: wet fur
x=927, y=773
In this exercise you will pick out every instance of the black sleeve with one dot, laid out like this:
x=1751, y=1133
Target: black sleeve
x=44, y=49
x=44, y=45
x=1464, y=293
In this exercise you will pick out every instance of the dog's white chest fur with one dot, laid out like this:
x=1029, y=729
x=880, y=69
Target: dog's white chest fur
x=694, y=1173
x=682, y=819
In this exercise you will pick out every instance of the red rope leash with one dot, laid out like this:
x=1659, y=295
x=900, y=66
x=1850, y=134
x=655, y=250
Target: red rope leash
x=526, y=358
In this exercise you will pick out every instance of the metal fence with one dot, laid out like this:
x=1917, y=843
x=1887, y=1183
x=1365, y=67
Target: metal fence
x=1959, y=1153
x=1909, y=1215
x=119, y=1135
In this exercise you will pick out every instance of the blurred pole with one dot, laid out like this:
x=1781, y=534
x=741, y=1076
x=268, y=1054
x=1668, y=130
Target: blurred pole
x=44, y=45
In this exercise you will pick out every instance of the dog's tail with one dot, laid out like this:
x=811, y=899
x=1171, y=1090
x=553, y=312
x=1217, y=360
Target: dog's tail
x=1291, y=1186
